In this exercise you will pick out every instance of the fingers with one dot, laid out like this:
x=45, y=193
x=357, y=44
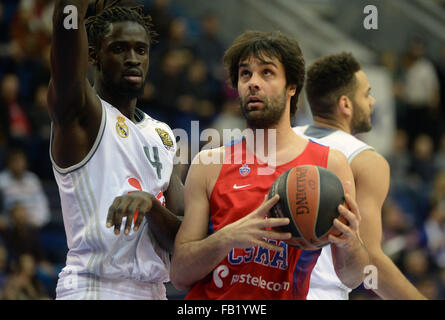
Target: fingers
x=348, y=231
x=265, y=207
x=131, y=207
x=114, y=216
x=352, y=205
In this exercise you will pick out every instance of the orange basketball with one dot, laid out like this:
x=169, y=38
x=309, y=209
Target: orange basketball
x=309, y=197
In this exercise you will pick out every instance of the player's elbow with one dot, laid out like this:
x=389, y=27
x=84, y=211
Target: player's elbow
x=178, y=277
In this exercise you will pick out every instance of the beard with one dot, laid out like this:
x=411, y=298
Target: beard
x=268, y=116
x=360, y=122
x=120, y=87
x=124, y=89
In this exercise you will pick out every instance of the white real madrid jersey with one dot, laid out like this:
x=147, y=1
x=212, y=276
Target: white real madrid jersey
x=126, y=157
x=324, y=283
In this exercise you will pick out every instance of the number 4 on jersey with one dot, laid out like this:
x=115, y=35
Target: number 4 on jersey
x=155, y=161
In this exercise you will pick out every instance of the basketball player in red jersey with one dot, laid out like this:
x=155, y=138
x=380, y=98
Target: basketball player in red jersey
x=225, y=247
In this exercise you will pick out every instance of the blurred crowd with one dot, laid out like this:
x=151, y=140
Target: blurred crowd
x=186, y=82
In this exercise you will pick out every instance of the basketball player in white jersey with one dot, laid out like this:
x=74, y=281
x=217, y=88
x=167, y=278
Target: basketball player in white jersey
x=111, y=161
x=339, y=95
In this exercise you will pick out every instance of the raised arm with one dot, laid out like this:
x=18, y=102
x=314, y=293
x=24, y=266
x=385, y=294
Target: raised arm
x=349, y=254
x=372, y=183
x=73, y=106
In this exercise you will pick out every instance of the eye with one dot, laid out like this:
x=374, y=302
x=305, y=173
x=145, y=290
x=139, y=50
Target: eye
x=117, y=49
x=141, y=51
x=267, y=72
x=244, y=73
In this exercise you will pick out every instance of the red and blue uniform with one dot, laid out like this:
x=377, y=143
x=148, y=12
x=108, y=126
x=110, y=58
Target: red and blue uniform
x=255, y=273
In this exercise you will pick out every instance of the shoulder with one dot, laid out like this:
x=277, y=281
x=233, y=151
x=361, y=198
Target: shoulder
x=336, y=159
x=300, y=130
x=205, y=169
x=210, y=157
x=371, y=165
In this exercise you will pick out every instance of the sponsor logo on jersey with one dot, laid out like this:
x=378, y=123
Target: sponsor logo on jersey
x=165, y=137
x=121, y=127
x=257, y=255
x=244, y=170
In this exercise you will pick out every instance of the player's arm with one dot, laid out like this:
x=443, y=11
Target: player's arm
x=174, y=196
x=372, y=184
x=348, y=252
x=73, y=106
x=196, y=254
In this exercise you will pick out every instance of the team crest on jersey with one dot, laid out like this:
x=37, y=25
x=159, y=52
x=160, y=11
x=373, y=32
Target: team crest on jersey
x=244, y=170
x=165, y=137
x=121, y=127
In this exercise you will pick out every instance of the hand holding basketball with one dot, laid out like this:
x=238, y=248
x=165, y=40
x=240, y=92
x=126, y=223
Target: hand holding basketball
x=255, y=228
x=349, y=225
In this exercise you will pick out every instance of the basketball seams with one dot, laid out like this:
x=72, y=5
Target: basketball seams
x=317, y=209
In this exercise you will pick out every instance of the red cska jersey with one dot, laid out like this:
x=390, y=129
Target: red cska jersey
x=255, y=273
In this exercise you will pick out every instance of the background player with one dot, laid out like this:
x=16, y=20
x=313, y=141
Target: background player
x=102, y=146
x=339, y=95
x=242, y=258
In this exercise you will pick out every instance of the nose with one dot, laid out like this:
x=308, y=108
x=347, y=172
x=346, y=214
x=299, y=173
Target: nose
x=372, y=101
x=131, y=58
x=253, y=84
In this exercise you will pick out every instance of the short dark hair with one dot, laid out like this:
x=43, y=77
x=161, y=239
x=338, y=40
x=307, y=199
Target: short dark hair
x=328, y=79
x=270, y=44
x=98, y=25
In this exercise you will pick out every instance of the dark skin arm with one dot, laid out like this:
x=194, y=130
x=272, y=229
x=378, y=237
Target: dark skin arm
x=73, y=105
x=163, y=221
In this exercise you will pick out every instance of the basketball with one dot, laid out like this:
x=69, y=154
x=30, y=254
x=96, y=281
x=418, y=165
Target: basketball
x=309, y=197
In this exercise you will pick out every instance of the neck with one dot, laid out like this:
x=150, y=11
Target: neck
x=125, y=105
x=270, y=143
x=332, y=124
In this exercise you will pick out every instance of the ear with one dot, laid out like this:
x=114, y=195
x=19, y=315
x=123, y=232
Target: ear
x=93, y=57
x=292, y=89
x=344, y=106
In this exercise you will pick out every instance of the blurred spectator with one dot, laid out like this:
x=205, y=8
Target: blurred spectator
x=429, y=287
x=422, y=172
x=23, y=284
x=438, y=192
x=168, y=86
x=3, y=269
x=19, y=129
x=421, y=93
x=399, y=160
x=159, y=11
x=416, y=265
x=441, y=74
x=41, y=126
x=229, y=119
x=434, y=229
x=18, y=185
x=422, y=164
x=209, y=48
x=398, y=231
x=21, y=236
x=200, y=96
x=439, y=158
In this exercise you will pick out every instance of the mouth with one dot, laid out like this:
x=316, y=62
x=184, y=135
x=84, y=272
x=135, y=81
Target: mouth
x=253, y=103
x=133, y=75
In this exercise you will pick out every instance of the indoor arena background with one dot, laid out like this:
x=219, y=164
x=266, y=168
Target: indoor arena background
x=186, y=82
